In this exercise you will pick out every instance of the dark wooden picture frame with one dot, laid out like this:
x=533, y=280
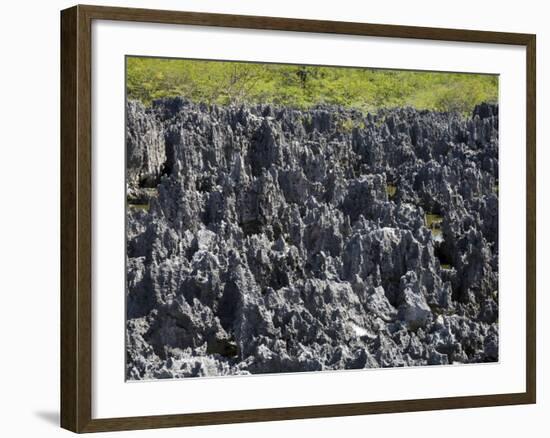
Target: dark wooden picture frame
x=76, y=218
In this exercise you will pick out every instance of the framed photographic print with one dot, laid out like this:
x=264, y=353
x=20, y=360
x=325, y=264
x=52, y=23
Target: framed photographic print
x=268, y=219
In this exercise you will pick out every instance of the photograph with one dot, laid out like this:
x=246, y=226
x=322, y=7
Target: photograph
x=286, y=218
x=267, y=219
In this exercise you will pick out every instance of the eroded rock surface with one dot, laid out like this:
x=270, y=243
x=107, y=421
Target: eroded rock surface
x=264, y=239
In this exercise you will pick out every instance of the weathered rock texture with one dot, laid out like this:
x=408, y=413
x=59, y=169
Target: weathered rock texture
x=266, y=240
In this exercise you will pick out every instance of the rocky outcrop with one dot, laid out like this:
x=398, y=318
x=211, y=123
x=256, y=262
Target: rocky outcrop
x=264, y=239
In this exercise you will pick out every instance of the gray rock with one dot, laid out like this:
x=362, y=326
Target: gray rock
x=264, y=239
x=378, y=304
x=414, y=309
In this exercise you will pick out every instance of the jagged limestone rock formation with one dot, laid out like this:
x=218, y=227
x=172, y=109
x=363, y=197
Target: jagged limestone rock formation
x=264, y=239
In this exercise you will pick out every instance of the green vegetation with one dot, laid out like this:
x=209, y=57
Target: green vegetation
x=347, y=125
x=304, y=86
x=144, y=207
x=142, y=201
x=433, y=222
x=391, y=190
x=150, y=192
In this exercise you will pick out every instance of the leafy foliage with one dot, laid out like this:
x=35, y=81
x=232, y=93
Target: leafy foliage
x=301, y=86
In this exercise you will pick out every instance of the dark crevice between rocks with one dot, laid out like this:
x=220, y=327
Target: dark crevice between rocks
x=227, y=307
x=251, y=227
x=223, y=347
x=445, y=260
x=170, y=139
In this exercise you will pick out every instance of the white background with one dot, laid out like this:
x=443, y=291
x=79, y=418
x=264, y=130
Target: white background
x=112, y=397
x=29, y=77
